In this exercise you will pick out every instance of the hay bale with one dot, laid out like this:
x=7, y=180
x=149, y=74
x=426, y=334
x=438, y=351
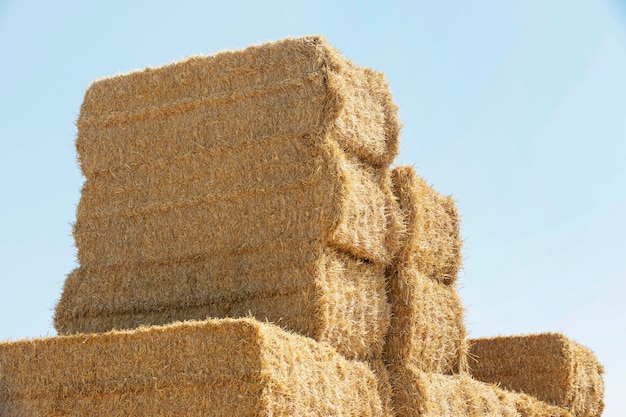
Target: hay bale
x=291, y=87
x=212, y=368
x=432, y=241
x=251, y=197
x=330, y=297
x=548, y=366
x=427, y=329
x=424, y=394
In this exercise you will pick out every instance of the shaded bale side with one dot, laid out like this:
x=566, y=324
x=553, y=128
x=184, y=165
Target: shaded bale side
x=432, y=241
x=353, y=312
x=367, y=124
x=314, y=193
x=213, y=368
x=348, y=94
x=548, y=366
x=368, y=224
x=331, y=297
x=396, y=224
x=327, y=383
x=423, y=394
x=427, y=329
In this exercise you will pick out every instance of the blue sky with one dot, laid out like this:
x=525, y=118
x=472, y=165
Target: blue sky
x=516, y=108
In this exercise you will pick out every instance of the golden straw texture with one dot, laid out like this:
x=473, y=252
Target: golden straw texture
x=331, y=297
x=432, y=241
x=385, y=390
x=427, y=328
x=213, y=368
x=548, y=366
x=422, y=394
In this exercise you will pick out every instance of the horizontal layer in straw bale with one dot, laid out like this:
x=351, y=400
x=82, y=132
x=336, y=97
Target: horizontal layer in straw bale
x=350, y=105
x=211, y=368
x=422, y=394
x=330, y=297
x=548, y=366
x=279, y=188
x=427, y=328
x=432, y=241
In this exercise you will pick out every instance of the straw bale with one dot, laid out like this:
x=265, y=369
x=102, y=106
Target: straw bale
x=424, y=394
x=331, y=297
x=213, y=368
x=290, y=87
x=432, y=241
x=274, y=190
x=427, y=328
x=548, y=366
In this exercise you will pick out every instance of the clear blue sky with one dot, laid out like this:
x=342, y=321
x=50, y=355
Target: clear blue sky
x=516, y=108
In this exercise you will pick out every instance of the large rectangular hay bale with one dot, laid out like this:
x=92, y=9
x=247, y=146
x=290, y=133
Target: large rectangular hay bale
x=423, y=394
x=427, y=323
x=213, y=368
x=328, y=296
x=218, y=204
x=432, y=241
x=548, y=366
x=290, y=87
x=237, y=111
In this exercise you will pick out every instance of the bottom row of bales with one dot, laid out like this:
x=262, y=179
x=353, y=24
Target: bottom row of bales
x=222, y=367
x=243, y=367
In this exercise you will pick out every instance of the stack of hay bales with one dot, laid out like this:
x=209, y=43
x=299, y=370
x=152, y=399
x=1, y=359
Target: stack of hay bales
x=250, y=182
x=251, y=187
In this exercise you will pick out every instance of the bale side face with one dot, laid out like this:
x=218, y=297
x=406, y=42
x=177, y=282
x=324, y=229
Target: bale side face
x=424, y=394
x=427, y=329
x=432, y=241
x=330, y=297
x=203, y=227
x=367, y=124
x=213, y=368
x=311, y=379
x=548, y=366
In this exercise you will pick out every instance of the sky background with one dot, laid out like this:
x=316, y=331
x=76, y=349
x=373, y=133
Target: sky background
x=516, y=108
